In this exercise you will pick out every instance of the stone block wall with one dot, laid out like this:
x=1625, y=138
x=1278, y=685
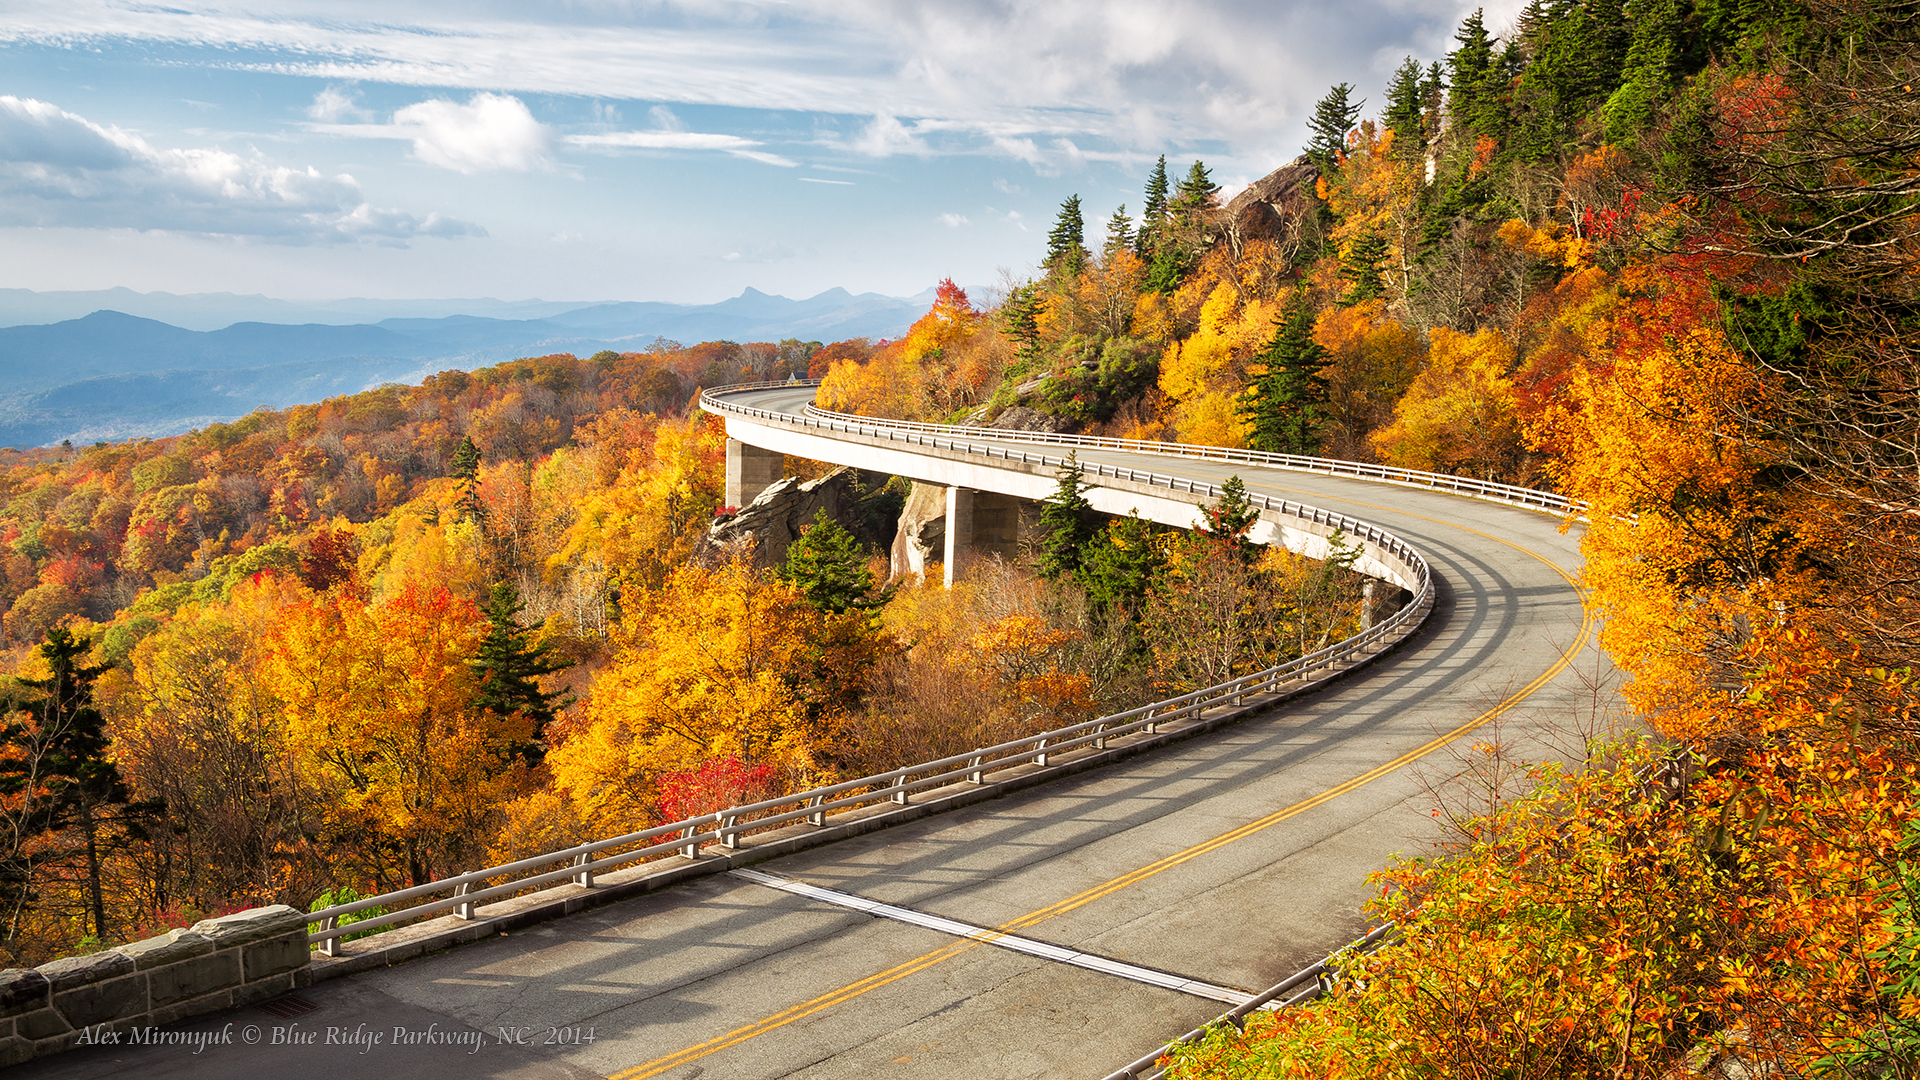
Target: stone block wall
x=217, y=964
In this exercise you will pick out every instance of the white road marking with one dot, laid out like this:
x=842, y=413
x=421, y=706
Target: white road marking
x=986, y=936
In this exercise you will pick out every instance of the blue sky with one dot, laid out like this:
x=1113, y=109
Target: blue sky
x=633, y=150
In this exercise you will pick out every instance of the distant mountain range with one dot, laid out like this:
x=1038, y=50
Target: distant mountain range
x=114, y=375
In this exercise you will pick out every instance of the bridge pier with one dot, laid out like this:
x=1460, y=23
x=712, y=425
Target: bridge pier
x=979, y=523
x=750, y=471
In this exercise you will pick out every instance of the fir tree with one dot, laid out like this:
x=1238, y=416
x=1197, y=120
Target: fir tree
x=1361, y=268
x=828, y=567
x=1332, y=119
x=1156, y=204
x=1229, y=520
x=1066, y=524
x=1283, y=406
x=1406, y=111
x=1123, y=565
x=466, y=469
x=1475, y=101
x=1067, y=243
x=56, y=776
x=1020, y=320
x=509, y=665
x=1119, y=233
x=1194, y=194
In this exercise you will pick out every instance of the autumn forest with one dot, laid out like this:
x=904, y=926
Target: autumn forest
x=1657, y=255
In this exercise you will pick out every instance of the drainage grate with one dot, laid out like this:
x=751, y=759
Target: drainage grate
x=288, y=1007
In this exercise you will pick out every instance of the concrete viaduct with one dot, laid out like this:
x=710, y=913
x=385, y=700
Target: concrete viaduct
x=1136, y=897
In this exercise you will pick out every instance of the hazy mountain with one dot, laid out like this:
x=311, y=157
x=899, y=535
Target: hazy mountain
x=110, y=374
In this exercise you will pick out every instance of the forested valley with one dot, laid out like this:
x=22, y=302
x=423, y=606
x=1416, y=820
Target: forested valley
x=1657, y=255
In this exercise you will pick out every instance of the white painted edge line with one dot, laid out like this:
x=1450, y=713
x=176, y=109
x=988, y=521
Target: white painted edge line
x=985, y=936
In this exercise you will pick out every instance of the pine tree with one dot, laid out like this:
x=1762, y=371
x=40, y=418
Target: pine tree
x=1332, y=119
x=1067, y=243
x=1123, y=565
x=1229, y=520
x=1473, y=67
x=1283, y=406
x=56, y=775
x=1119, y=233
x=1066, y=524
x=1020, y=320
x=466, y=469
x=1195, y=192
x=1361, y=268
x=830, y=570
x=1406, y=109
x=1156, y=204
x=509, y=665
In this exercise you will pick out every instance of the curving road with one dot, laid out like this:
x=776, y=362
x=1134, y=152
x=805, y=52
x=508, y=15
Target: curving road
x=1149, y=890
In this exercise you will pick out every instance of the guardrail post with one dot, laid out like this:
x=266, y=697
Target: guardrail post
x=1153, y=722
x=330, y=946
x=691, y=849
x=1100, y=737
x=1041, y=757
x=730, y=830
x=900, y=790
x=584, y=862
x=977, y=775
x=463, y=910
x=818, y=817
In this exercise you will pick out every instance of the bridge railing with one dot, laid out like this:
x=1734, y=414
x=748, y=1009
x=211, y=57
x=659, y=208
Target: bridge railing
x=1549, y=501
x=819, y=806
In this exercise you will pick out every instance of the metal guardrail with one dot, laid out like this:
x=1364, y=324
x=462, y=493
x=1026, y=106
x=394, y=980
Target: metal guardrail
x=1533, y=498
x=1318, y=979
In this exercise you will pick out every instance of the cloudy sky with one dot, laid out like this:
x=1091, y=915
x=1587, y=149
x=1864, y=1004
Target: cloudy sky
x=597, y=149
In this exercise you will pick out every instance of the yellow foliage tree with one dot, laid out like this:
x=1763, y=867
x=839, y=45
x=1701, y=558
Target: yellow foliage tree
x=1458, y=416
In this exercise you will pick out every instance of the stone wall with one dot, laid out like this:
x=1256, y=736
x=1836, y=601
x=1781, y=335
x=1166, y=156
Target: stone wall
x=219, y=963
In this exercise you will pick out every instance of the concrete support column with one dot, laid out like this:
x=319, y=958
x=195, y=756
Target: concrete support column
x=750, y=471
x=979, y=523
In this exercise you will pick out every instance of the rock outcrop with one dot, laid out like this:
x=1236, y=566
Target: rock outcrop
x=1275, y=207
x=773, y=521
x=1022, y=418
x=922, y=535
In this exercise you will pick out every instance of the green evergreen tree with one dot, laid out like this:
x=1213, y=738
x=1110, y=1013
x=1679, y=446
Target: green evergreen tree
x=1067, y=243
x=1020, y=321
x=1333, y=117
x=1066, y=524
x=466, y=469
x=58, y=781
x=1157, y=188
x=1574, y=52
x=1406, y=111
x=1229, y=520
x=509, y=664
x=1194, y=194
x=830, y=570
x=1657, y=59
x=1283, y=406
x=1119, y=233
x=1361, y=268
x=1477, y=100
x=1123, y=565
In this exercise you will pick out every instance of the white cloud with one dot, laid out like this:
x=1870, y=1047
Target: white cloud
x=490, y=133
x=976, y=76
x=885, y=136
x=954, y=221
x=675, y=139
x=60, y=169
x=818, y=180
x=332, y=105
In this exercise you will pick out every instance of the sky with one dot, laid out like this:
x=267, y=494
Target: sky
x=603, y=150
